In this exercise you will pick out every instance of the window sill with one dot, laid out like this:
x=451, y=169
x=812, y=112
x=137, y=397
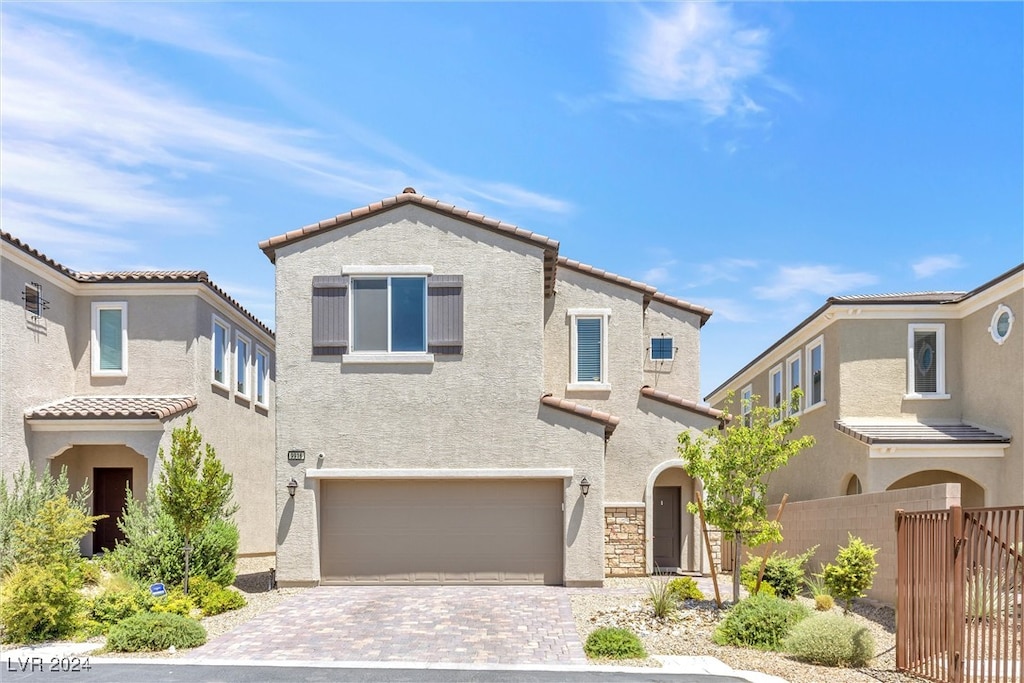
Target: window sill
x=218, y=385
x=263, y=404
x=819, y=404
x=588, y=386
x=386, y=358
x=926, y=397
x=109, y=373
x=242, y=397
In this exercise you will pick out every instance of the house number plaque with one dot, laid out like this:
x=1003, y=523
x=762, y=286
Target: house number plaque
x=296, y=456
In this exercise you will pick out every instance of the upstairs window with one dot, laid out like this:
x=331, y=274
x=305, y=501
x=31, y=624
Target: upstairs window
x=775, y=387
x=815, y=373
x=746, y=405
x=661, y=348
x=589, y=362
x=241, y=365
x=389, y=314
x=793, y=378
x=220, y=363
x=110, y=338
x=35, y=304
x=262, y=376
x=926, y=360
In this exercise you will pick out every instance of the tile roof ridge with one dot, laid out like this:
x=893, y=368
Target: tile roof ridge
x=680, y=402
x=568, y=406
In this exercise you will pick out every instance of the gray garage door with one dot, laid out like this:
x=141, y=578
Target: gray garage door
x=441, y=531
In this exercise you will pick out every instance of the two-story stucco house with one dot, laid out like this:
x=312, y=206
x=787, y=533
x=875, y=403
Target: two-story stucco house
x=97, y=369
x=902, y=390
x=457, y=403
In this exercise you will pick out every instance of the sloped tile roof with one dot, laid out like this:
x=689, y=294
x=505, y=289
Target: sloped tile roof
x=129, y=276
x=919, y=433
x=112, y=407
x=607, y=419
x=900, y=298
x=684, y=403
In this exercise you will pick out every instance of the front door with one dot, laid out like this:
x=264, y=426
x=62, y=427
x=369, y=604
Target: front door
x=110, y=484
x=666, y=527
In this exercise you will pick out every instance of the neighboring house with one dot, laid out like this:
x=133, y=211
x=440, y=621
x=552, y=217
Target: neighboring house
x=458, y=403
x=98, y=368
x=902, y=390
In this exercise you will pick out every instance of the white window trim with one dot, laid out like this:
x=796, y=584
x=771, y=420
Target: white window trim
x=37, y=311
x=671, y=350
x=787, y=397
x=226, y=384
x=746, y=403
x=1000, y=309
x=574, y=384
x=940, y=360
x=782, y=392
x=808, y=379
x=260, y=351
x=379, y=355
x=246, y=393
x=98, y=306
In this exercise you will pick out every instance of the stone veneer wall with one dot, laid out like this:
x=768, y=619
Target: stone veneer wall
x=624, y=541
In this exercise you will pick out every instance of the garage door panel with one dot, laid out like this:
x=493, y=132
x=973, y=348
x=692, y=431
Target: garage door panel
x=461, y=531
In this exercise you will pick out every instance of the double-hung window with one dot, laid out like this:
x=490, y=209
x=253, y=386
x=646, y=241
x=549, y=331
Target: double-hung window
x=110, y=338
x=389, y=314
x=775, y=387
x=793, y=378
x=815, y=393
x=242, y=346
x=262, y=376
x=746, y=405
x=926, y=361
x=589, y=342
x=220, y=354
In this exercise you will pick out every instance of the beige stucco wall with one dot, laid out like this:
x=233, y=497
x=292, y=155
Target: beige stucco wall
x=477, y=410
x=680, y=376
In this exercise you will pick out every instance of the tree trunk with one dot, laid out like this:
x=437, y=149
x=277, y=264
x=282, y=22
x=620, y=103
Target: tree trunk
x=737, y=546
x=188, y=552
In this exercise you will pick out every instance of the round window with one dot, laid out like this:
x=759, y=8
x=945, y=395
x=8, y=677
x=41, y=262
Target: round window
x=1002, y=323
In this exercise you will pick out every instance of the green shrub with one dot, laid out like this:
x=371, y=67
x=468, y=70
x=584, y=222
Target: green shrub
x=614, y=643
x=112, y=606
x=759, y=621
x=175, y=602
x=50, y=539
x=685, y=588
x=830, y=640
x=662, y=600
x=152, y=548
x=785, y=574
x=213, y=599
x=824, y=602
x=28, y=494
x=853, y=573
x=152, y=631
x=38, y=603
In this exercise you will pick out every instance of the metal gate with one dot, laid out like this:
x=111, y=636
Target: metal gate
x=960, y=594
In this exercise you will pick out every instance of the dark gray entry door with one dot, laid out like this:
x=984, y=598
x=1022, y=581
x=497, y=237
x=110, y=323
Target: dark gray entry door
x=110, y=488
x=666, y=527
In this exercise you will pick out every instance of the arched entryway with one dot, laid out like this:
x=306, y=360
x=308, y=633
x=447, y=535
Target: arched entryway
x=853, y=486
x=672, y=535
x=113, y=472
x=972, y=495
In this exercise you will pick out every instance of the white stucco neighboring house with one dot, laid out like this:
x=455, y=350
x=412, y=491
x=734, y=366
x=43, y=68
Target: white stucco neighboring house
x=458, y=403
x=902, y=390
x=97, y=369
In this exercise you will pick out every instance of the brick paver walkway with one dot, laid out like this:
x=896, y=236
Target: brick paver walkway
x=456, y=624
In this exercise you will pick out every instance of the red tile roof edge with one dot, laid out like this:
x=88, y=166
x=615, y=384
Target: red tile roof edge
x=168, y=407
x=684, y=403
x=607, y=419
x=130, y=276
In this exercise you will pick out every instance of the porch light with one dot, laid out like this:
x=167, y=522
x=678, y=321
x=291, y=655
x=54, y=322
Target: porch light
x=292, y=485
x=584, y=486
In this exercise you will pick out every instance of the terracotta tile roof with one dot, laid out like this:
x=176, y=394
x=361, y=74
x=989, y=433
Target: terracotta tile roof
x=129, y=276
x=918, y=433
x=112, y=407
x=650, y=293
x=607, y=419
x=410, y=196
x=684, y=403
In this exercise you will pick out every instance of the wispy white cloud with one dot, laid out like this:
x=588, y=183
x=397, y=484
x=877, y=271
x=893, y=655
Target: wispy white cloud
x=694, y=52
x=792, y=281
x=726, y=269
x=931, y=265
x=730, y=309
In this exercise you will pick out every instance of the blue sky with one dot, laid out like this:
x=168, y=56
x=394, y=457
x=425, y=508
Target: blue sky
x=754, y=158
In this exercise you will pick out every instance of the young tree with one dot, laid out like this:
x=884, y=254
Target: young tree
x=734, y=464
x=194, y=489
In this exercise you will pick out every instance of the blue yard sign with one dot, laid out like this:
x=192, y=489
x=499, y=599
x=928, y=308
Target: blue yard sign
x=158, y=590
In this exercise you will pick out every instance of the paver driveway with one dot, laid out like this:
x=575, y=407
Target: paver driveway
x=458, y=624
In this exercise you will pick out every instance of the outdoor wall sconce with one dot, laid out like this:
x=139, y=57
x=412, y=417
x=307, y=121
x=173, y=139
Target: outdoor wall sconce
x=584, y=486
x=292, y=485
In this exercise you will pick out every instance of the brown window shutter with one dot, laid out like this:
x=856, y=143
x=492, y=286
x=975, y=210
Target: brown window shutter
x=444, y=314
x=330, y=315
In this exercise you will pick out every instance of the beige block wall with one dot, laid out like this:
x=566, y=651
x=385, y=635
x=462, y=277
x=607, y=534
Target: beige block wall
x=871, y=516
x=477, y=410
